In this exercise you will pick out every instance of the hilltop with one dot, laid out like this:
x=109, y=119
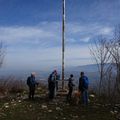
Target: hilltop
x=18, y=107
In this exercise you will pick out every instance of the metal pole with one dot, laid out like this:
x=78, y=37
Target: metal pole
x=63, y=42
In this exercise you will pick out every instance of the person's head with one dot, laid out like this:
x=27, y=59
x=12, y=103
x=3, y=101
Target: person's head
x=55, y=71
x=71, y=75
x=33, y=74
x=82, y=73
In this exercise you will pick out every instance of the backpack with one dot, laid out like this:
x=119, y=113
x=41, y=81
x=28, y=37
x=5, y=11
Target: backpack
x=85, y=82
x=28, y=81
x=50, y=78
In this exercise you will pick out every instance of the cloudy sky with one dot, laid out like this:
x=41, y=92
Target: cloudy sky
x=31, y=30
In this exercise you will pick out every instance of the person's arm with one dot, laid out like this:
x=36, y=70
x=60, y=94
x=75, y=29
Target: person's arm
x=37, y=83
x=73, y=83
x=80, y=84
x=34, y=81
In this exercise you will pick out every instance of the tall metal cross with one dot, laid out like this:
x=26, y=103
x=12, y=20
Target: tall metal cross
x=63, y=42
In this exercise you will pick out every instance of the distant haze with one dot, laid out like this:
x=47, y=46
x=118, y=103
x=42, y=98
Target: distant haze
x=90, y=71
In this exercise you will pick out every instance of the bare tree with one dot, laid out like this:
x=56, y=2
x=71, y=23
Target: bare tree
x=114, y=49
x=101, y=56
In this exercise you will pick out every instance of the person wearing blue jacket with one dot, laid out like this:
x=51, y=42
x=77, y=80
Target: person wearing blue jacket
x=83, y=87
x=31, y=82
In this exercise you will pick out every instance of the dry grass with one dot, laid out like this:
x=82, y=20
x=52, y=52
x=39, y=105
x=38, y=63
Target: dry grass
x=11, y=85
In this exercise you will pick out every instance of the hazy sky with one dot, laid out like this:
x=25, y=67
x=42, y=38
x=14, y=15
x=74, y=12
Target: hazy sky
x=31, y=30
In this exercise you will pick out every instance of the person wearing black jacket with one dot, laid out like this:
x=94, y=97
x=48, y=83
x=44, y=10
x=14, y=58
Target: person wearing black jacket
x=70, y=86
x=52, y=84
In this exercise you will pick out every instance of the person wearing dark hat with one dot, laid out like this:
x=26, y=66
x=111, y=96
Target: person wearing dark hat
x=70, y=86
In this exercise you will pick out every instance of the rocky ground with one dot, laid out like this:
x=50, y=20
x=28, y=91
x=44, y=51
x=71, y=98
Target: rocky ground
x=18, y=107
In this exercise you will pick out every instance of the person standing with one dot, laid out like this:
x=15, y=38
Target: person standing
x=52, y=84
x=70, y=86
x=83, y=87
x=31, y=82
